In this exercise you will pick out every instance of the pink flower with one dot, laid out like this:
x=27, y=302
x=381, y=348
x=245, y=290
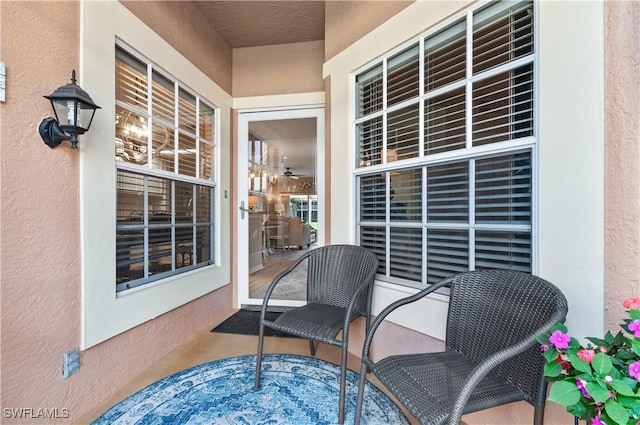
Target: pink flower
x=635, y=328
x=603, y=349
x=581, y=384
x=559, y=340
x=586, y=355
x=544, y=347
x=631, y=303
x=597, y=421
x=634, y=370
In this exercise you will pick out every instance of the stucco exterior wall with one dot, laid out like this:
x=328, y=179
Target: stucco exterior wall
x=203, y=47
x=278, y=69
x=40, y=257
x=347, y=21
x=622, y=106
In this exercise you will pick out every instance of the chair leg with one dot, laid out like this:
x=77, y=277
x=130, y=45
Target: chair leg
x=360, y=399
x=343, y=383
x=312, y=347
x=259, y=356
x=538, y=414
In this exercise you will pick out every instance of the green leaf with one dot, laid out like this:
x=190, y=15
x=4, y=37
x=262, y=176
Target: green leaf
x=597, y=391
x=558, y=327
x=552, y=369
x=550, y=355
x=597, y=341
x=634, y=314
x=601, y=364
x=616, y=412
x=621, y=388
x=543, y=338
x=635, y=344
x=608, y=337
x=564, y=393
x=579, y=410
x=579, y=364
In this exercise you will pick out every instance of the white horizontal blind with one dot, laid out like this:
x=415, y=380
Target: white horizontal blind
x=447, y=253
x=437, y=204
x=165, y=150
x=403, y=133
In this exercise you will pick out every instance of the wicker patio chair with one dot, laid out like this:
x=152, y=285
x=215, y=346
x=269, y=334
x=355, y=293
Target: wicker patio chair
x=339, y=289
x=491, y=356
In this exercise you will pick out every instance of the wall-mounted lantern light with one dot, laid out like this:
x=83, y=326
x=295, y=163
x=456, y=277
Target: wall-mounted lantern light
x=74, y=112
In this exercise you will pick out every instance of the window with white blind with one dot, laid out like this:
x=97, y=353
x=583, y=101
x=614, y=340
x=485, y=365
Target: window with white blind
x=164, y=150
x=445, y=148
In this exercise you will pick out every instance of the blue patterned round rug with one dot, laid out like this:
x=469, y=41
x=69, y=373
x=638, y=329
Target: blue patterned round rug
x=294, y=390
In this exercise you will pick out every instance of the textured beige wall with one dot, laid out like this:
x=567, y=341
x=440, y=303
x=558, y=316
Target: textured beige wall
x=278, y=69
x=40, y=257
x=347, y=21
x=203, y=47
x=622, y=254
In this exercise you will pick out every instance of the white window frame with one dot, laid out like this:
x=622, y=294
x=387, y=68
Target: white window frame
x=170, y=177
x=104, y=312
x=529, y=143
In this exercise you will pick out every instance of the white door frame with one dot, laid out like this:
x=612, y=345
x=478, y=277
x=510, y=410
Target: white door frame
x=244, y=118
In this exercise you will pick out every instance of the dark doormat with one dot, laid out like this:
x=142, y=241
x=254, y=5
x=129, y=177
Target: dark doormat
x=247, y=322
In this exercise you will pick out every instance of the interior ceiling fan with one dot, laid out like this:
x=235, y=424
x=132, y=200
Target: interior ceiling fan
x=289, y=174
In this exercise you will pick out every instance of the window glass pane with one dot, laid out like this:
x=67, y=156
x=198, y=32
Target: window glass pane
x=447, y=253
x=163, y=95
x=374, y=239
x=204, y=253
x=406, y=254
x=503, y=189
x=444, y=122
x=131, y=81
x=373, y=198
x=130, y=198
x=406, y=195
x=186, y=155
x=131, y=137
x=369, y=91
x=206, y=161
x=448, y=192
x=502, y=32
x=445, y=57
x=159, y=200
x=186, y=111
x=129, y=255
x=403, y=76
x=206, y=122
x=503, y=250
x=184, y=246
x=370, y=142
x=403, y=133
x=162, y=140
x=204, y=195
x=160, y=258
x=503, y=107
x=184, y=202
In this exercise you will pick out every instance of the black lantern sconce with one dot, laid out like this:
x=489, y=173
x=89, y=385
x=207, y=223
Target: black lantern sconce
x=74, y=112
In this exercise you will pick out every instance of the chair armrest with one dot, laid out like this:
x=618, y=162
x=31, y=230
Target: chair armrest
x=384, y=313
x=484, y=367
x=276, y=280
x=368, y=282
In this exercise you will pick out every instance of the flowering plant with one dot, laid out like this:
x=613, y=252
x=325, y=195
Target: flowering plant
x=601, y=381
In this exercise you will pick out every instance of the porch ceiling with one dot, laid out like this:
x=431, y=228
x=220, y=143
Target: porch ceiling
x=245, y=23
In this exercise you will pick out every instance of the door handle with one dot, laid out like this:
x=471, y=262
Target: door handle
x=243, y=210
